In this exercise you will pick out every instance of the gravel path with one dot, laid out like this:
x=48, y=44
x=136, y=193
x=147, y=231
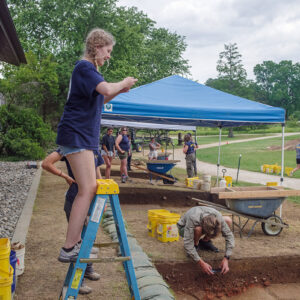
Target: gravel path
x=248, y=176
x=15, y=182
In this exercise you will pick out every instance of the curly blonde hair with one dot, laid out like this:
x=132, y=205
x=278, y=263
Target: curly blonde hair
x=97, y=37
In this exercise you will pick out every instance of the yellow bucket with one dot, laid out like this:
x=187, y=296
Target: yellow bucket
x=6, y=280
x=167, y=230
x=276, y=169
x=189, y=182
x=152, y=220
x=4, y=255
x=288, y=171
x=228, y=181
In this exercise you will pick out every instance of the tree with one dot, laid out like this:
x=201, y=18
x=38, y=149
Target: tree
x=232, y=77
x=59, y=27
x=279, y=84
x=230, y=65
x=34, y=85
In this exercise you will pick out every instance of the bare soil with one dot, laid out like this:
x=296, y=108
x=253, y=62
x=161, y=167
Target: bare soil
x=258, y=260
x=288, y=145
x=186, y=278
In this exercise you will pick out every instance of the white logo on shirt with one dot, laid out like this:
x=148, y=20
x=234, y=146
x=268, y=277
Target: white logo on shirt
x=108, y=107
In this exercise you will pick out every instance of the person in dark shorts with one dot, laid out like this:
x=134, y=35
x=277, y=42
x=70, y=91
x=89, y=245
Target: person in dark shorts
x=78, y=132
x=108, y=150
x=49, y=165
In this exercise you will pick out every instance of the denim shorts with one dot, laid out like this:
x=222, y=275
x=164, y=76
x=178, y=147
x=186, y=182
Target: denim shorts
x=109, y=154
x=65, y=150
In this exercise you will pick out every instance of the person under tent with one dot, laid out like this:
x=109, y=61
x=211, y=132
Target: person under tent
x=153, y=146
x=190, y=155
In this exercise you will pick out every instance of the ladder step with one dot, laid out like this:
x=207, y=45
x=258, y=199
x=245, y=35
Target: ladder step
x=102, y=245
x=104, y=259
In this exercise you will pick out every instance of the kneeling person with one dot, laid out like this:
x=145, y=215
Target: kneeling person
x=207, y=223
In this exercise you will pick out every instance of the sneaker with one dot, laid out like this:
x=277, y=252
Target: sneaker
x=208, y=246
x=67, y=257
x=92, y=275
x=123, y=179
x=94, y=250
x=84, y=289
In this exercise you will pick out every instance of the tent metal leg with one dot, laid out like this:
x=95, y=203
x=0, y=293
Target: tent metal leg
x=219, y=154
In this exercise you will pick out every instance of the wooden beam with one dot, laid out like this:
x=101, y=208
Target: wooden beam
x=258, y=194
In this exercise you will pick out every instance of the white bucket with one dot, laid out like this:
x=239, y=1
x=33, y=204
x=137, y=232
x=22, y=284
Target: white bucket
x=206, y=178
x=222, y=183
x=205, y=186
x=20, y=254
x=197, y=184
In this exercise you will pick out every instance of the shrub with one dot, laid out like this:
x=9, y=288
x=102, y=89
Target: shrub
x=23, y=133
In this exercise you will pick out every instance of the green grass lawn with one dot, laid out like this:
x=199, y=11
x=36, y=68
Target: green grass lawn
x=254, y=154
x=204, y=140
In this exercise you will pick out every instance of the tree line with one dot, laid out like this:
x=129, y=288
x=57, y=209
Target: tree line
x=52, y=34
x=275, y=84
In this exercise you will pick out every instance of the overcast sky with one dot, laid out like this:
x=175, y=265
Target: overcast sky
x=262, y=29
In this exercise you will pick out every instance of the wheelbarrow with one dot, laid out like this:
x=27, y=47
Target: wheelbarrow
x=259, y=210
x=159, y=168
x=258, y=203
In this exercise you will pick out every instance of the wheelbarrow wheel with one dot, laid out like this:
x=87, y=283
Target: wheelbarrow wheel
x=270, y=229
x=166, y=181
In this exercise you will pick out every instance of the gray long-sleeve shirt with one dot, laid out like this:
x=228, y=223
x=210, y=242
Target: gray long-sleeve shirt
x=193, y=218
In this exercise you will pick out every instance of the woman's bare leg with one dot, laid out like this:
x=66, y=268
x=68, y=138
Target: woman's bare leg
x=107, y=160
x=124, y=167
x=83, y=168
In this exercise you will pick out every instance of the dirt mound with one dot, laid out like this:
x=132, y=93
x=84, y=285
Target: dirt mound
x=187, y=278
x=289, y=145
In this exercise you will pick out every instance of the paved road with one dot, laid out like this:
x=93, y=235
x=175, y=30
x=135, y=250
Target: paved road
x=254, y=177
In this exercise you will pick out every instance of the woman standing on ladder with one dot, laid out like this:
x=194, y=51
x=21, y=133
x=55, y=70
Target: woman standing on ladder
x=79, y=129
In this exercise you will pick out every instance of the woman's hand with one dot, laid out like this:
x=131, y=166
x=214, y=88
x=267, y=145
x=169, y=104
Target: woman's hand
x=129, y=82
x=69, y=179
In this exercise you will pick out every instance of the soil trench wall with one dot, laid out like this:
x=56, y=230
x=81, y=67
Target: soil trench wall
x=186, y=278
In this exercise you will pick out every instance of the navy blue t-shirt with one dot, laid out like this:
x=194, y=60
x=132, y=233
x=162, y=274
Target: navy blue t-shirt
x=79, y=126
x=191, y=147
x=109, y=142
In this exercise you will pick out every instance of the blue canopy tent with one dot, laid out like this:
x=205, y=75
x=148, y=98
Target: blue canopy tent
x=180, y=101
